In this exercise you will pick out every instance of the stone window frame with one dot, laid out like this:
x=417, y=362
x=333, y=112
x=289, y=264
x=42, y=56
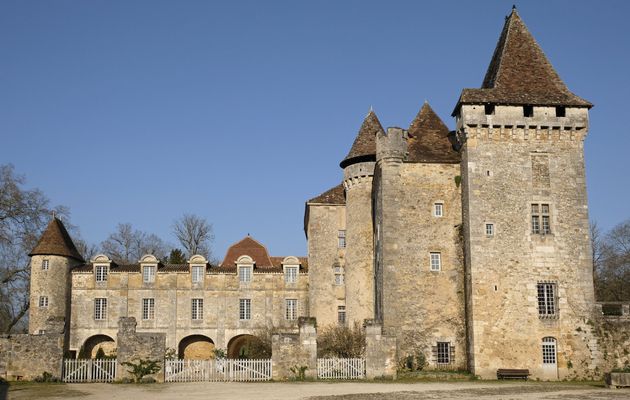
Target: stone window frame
x=43, y=302
x=547, y=303
x=341, y=315
x=100, y=308
x=438, y=209
x=197, y=268
x=540, y=217
x=196, y=309
x=244, y=309
x=245, y=269
x=291, y=309
x=148, y=309
x=435, y=259
x=101, y=272
x=549, y=350
x=341, y=239
x=443, y=353
x=147, y=276
x=45, y=264
x=291, y=270
x=490, y=230
x=339, y=275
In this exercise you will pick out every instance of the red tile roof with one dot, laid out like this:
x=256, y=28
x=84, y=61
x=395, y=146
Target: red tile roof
x=428, y=139
x=56, y=241
x=250, y=247
x=520, y=73
x=364, y=146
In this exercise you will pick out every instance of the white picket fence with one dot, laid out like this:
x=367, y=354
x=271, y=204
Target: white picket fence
x=341, y=368
x=219, y=370
x=78, y=371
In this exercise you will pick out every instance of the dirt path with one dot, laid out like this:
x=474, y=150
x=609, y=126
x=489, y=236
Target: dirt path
x=318, y=391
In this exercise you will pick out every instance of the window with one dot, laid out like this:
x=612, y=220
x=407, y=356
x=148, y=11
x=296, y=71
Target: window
x=290, y=274
x=438, y=209
x=148, y=274
x=100, y=309
x=291, y=309
x=41, y=332
x=546, y=299
x=100, y=273
x=197, y=309
x=489, y=229
x=341, y=315
x=245, y=309
x=245, y=274
x=549, y=350
x=338, y=275
x=561, y=111
x=436, y=261
x=528, y=111
x=43, y=301
x=443, y=352
x=489, y=109
x=541, y=224
x=341, y=236
x=148, y=309
x=197, y=273
x=45, y=265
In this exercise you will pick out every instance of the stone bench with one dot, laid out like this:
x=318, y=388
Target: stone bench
x=506, y=373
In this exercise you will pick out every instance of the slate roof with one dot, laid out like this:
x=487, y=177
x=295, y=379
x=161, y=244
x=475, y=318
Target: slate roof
x=429, y=139
x=335, y=195
x=520, y=73
x=364, y=146
x=56, y=241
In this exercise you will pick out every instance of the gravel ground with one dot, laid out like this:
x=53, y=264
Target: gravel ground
x=317, y=391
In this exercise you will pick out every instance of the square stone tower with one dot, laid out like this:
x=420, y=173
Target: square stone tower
x=528, y=260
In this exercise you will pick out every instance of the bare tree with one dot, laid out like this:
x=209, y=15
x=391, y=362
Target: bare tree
x=194, y=234
x=613, y=268
x=24, y=213
x=127, y=245
x=596, y=246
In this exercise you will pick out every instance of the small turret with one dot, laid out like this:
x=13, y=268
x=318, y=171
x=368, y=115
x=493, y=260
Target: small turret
x=51, y=261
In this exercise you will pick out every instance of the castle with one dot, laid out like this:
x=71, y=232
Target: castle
x=470, y=247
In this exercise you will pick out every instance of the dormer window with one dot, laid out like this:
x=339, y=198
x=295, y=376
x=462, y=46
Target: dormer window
x=245, y=274
x=100, y=273
x=148, y=274
x=291, y=266
x=197, y=273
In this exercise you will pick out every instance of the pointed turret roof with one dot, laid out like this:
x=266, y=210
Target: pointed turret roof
x=364, y=146
x=56, y=241
x=428, y=139
x=247, y=246
x=520, y=73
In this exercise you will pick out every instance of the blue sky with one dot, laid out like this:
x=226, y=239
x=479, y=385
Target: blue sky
x=239, y=111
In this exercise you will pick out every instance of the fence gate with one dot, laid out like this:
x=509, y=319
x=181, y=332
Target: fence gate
x=77, y=371
x=341, y=368
x=218, y=370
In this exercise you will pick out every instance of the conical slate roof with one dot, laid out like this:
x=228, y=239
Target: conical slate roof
x=56, y=241
x=428, y=139
x=248, y=247
x=520, y=73
x=364, y=146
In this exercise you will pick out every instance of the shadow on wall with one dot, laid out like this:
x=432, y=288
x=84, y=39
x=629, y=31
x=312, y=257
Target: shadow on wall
x=4, y=389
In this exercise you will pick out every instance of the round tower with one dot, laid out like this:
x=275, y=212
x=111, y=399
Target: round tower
x=51, y=261
x=358, y=168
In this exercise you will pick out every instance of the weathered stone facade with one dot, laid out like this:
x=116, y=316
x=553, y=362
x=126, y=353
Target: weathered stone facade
x=134, y=347
x=294, y=352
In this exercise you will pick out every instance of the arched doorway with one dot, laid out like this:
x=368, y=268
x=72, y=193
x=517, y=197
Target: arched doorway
x=92, y=345
x=248, y=346
x=196, y=347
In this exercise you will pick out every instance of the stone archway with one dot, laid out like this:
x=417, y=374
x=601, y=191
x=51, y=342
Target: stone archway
x=94, y=343
x=196, y=347
x=248, y=346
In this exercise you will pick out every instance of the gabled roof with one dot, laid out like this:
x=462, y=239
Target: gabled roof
x=428, y=139
x=520, y=73
x=335, y=195
x=250, y=247
x=364, y=146
x=56, y=241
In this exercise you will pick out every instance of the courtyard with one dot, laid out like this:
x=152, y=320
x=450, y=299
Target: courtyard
x=319, y=391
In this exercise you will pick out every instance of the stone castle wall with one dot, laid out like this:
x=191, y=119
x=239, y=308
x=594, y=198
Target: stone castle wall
x=134, y=347
x=325, y=296
x=509, y=163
